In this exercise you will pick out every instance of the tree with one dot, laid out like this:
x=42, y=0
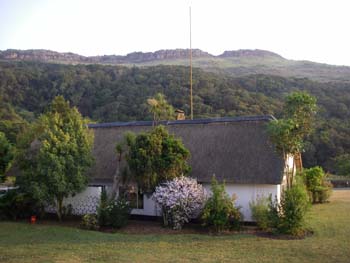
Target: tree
x=290, y=132
x=56, y=155
x=342, y=163
x=155, y=156
x=301, y=108
x=6, y=155
x=160, y=108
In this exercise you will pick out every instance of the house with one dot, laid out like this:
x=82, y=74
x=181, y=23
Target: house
x=237, y=151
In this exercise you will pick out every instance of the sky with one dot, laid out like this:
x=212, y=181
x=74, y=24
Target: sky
x=315, y=30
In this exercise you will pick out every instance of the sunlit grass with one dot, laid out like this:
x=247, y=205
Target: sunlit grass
x=20, y=242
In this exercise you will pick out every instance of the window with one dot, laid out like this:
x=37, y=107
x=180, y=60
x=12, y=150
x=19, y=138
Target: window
x=132, y=195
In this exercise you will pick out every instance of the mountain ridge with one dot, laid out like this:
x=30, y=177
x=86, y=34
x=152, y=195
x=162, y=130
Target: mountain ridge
x=41, y=54
x=235, y=63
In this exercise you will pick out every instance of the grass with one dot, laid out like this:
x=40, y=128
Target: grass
x=20, y=242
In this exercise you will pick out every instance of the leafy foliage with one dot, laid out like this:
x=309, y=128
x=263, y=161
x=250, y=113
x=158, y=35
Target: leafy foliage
x=114, y=93
x=180, y=199
x=290, y=132
x=6, y=155
x=160, y=108
x=155, y=157
x=316, y=184
x=102, y=211
x=118, y=213
x=288, y=216
x=17, y=205
x=219, y=211
x=260, y=212
x=56, y=155
x=342, y=163
x=89, y=222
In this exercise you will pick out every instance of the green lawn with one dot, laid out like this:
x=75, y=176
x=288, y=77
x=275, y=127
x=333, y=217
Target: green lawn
x=20, y=242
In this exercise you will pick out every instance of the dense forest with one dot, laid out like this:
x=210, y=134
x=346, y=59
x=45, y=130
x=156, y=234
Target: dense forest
x=116, y=93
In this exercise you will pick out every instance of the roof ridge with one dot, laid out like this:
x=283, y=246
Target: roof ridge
x=196, y=121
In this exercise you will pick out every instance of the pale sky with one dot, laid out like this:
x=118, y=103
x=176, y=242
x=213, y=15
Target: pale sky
x=316, y=30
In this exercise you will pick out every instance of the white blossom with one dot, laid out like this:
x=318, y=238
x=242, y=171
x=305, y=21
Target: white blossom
x=180, y=199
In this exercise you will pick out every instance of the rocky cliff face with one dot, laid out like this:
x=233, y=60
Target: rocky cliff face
x=41, y=55
x=135, y=57
x=249, y=53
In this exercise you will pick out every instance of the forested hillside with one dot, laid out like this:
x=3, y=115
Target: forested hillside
x=116, y=93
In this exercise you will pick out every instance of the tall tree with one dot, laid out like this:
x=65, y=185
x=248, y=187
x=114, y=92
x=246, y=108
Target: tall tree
x=301, y=108
x=290, y=132
x=6, y=155
x=155, y=157
x=57, y=155
x=160, y=108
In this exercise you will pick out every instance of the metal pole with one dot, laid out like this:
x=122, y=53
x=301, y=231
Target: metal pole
x=191, y=97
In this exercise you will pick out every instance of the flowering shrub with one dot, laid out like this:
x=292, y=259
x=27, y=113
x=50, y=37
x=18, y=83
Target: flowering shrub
x=118, y=213
x=180, y=199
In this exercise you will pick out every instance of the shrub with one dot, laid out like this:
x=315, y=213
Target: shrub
x=118, y=213
x=102, y=211
x=260, y=212
x=318, y=188
x=219, y=211
x=291, y=211
x=180, y=199
x=89, y=221
x=325, y=192
x=16, y=205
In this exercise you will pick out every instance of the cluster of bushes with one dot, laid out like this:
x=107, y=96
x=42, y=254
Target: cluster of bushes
x=110, y=213
x=287, y=216
x=17, y=205
x=183, y=199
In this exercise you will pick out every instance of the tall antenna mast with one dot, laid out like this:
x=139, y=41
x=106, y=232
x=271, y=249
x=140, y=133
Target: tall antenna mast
x=191, y=97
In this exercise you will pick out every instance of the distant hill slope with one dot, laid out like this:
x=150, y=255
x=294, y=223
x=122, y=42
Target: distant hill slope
x=234, y=63
x=116, y=93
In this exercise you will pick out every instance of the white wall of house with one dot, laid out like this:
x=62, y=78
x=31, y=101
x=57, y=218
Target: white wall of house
x=247, y=193
x=82, y=203
x=87, y=201
x=149, y=207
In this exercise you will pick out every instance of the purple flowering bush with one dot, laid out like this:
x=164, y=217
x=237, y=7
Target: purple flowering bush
x=180, y=199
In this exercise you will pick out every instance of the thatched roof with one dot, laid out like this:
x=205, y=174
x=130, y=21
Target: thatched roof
x=236, y=150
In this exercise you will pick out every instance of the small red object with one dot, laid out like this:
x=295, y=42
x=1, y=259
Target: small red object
x=32, y=219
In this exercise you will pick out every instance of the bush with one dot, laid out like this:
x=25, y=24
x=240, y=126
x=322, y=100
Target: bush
x=260, y=212
x=291, y=211
x=118, y=213
x=219, y=212
x=102, y=211
x=16, y=205
x=324, y=192
x=180, y=199
x=318, y=188
x=89, y=222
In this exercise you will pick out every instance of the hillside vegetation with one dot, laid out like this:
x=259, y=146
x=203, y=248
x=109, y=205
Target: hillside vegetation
x=116, y=93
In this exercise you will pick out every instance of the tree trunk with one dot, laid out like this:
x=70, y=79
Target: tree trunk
x=59, y=208
x=115, y=183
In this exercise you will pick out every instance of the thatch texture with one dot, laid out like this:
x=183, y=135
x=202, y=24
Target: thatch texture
x=235, y=150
